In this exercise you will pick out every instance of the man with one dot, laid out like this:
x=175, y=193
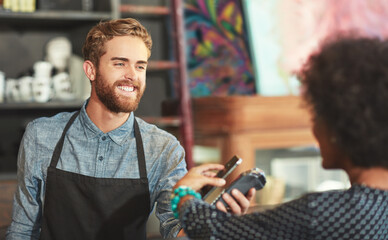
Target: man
x=96, y=173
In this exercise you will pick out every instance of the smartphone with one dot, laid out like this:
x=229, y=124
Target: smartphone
x=254, y=178
x=247, y=180
x=229, y=167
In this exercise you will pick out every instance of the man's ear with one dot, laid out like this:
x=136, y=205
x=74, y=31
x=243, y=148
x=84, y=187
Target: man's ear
x=90, y=70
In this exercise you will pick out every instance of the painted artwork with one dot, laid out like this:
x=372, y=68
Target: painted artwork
x=284, y=33
x=217, y=49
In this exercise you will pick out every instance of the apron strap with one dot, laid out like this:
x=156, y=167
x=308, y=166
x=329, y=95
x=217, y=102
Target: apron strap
x=59, y=146
x=139, y=146
x=140, y=150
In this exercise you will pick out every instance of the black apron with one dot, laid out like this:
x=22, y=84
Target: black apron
x=83, y=207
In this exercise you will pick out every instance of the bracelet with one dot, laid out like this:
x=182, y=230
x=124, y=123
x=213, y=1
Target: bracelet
x=179, y=193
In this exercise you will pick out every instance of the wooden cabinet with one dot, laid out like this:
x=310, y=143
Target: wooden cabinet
x=241, y=124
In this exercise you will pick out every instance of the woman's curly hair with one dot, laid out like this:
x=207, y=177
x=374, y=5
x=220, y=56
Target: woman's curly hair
x=94, y=46
x=346, y=85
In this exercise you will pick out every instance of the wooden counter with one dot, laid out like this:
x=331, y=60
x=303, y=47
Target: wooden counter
x=7, y=190
x=241, y=124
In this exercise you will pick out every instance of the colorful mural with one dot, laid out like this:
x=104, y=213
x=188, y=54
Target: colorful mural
x=285, y=32
x=218, y=57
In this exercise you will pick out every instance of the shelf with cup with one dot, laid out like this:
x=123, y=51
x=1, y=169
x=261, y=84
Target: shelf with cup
x=71, y=104
x=60, y=13
x=46, y=19
x=46, y=15
x=24, y=38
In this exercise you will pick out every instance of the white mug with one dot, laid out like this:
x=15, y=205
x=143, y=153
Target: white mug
x=41, y=89
x=42, y=69
x=25, y=88
x=12, y=90
x=62, y=86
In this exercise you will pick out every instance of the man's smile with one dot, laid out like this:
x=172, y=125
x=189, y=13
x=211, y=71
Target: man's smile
x=126, y=88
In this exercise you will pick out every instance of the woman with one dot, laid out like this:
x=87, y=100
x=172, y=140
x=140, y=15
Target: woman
x=345, y=86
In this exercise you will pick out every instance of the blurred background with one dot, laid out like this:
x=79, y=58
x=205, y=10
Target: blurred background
x=222, y=78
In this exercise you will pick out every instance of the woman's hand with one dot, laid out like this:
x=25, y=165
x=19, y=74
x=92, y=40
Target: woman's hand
x=238, y=204
x=200, y=176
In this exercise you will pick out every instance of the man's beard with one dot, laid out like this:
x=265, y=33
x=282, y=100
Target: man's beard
x=114, y=102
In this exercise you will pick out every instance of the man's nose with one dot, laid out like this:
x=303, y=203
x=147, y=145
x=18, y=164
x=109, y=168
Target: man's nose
x=130, y=73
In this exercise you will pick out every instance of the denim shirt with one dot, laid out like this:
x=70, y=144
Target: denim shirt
x=89, y=151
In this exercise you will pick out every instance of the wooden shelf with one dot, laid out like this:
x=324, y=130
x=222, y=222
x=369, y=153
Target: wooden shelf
x=7, y=189
x=163, y=121
x=248, y=113
x=155, y=65
x=144, y=10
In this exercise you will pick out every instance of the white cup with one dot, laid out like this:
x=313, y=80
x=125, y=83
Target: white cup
x=25, y=88
x=62, y=86
x=12, y=90
x=42, y=69
x=41, y=89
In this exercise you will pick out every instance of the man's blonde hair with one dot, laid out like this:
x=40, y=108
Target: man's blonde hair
x=94, y=46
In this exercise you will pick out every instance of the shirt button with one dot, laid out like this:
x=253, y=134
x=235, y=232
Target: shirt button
x=100, y=158
x=103, y=138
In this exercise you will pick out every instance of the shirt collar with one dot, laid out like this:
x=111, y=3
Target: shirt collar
x=118, y=135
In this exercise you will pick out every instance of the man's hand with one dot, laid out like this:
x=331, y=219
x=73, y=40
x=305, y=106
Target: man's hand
x=200, y=176
x=238, y=204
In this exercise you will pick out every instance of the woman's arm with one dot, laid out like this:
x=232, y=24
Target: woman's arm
x=203, y=175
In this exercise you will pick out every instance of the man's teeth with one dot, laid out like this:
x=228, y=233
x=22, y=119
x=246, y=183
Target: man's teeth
x=126, y=88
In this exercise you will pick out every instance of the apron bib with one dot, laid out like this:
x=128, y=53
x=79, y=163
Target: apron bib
x=84, y=207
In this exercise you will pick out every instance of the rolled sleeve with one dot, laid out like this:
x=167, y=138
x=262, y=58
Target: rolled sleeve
x=175, y=170
x=27, y=206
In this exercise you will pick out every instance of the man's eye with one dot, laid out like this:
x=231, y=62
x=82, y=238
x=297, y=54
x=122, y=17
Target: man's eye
x=142, y=67
x=119, y=64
